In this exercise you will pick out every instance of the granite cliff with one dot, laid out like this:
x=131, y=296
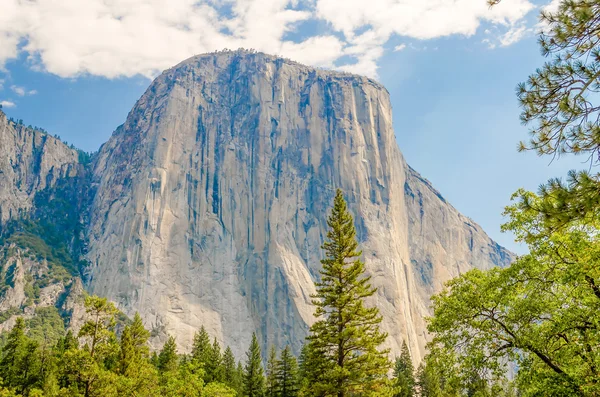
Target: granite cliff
x=212, y=200
x=208, y=205
x=43, y=196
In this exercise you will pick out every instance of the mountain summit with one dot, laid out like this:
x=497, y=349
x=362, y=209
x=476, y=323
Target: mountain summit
x=208, y=206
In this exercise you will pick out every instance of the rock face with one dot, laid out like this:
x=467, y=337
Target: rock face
x=212, y=200
x=43, y=185
x=30, y=161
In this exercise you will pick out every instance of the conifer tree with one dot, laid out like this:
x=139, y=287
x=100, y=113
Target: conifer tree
x=154, y=359
x=69, y=341
x=238, y=385
x=167, y=359
x=254, y=380
x=287, y=374
x=428, y=382
x=404, y=377
x=560, y=103
x=20, y=361
x=214, y=366
x=346, y=338
x=134, y=366
x=201, y=348
x=98, y=328
x=271, y=378
x=229, y=368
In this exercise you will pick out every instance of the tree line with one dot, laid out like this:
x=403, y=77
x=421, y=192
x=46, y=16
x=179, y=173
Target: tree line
x=530, y=329
x=342, y=355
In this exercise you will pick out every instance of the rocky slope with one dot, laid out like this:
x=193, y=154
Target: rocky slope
x=42, y=191
x=30, y=161
x=212, y=199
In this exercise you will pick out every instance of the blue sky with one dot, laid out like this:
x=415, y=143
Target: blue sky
x=451, y=69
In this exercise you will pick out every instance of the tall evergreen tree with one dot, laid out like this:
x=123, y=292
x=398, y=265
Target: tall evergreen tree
x=20, y=362
x=201, y=348
x=428, y=382
x=139, y=376
x=287, y=374
x=238, y=384
x=229, y=368
x=404, y=377
x=167, y=358
x=98, y=329
x=271, y=379
x=214, y=370
x=346, y=338
x=254, y=380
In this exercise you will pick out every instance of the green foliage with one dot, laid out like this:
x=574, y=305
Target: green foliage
x=184, y=380
x=559, y=97
x=214, y=368
x=105, y=365
x=6, y=314
x=344, y=342
x=19, y=365
x=46, y=327
x=271, y=384
x=404, y=377
x=202, y=350
x=542, y=313
x=167, y=359
x=287, y=379
x=98, y=330
x=254, y=380
x=230, y=374
x=216, y=389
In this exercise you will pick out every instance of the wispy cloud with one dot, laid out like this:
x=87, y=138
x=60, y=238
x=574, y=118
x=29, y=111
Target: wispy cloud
x=22, y=91
x=515, y=34
x=7, y=104
x=400, y=47
x=125, y=38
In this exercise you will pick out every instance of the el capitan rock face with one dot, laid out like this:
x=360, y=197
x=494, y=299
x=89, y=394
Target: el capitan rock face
x=212, y=200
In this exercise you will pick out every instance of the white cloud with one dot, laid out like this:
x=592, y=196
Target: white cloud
x=22, y=91
x=114, y=38
x=513, y=35
x=1, y=84
x=400, y=47
x=7, y=104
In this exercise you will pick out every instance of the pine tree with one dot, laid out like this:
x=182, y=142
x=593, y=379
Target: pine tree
x=346, y=338
x=229, y=368
x=254, y=380
x=238, y=384
x=201, y=348
x=154, y=359
x=428, y=382
x=214, y=366
x=98, y=329
x=20, y=362
x=287, y=374
x=69, y=341
x=271, y=379
x=404, y=377
x=167, y=359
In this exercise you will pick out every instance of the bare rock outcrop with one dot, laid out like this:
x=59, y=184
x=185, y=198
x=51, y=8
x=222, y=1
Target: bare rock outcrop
x=30, y=161
x=212, y=200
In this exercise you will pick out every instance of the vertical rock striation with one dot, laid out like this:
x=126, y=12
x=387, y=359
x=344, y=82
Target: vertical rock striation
x=212, y=199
